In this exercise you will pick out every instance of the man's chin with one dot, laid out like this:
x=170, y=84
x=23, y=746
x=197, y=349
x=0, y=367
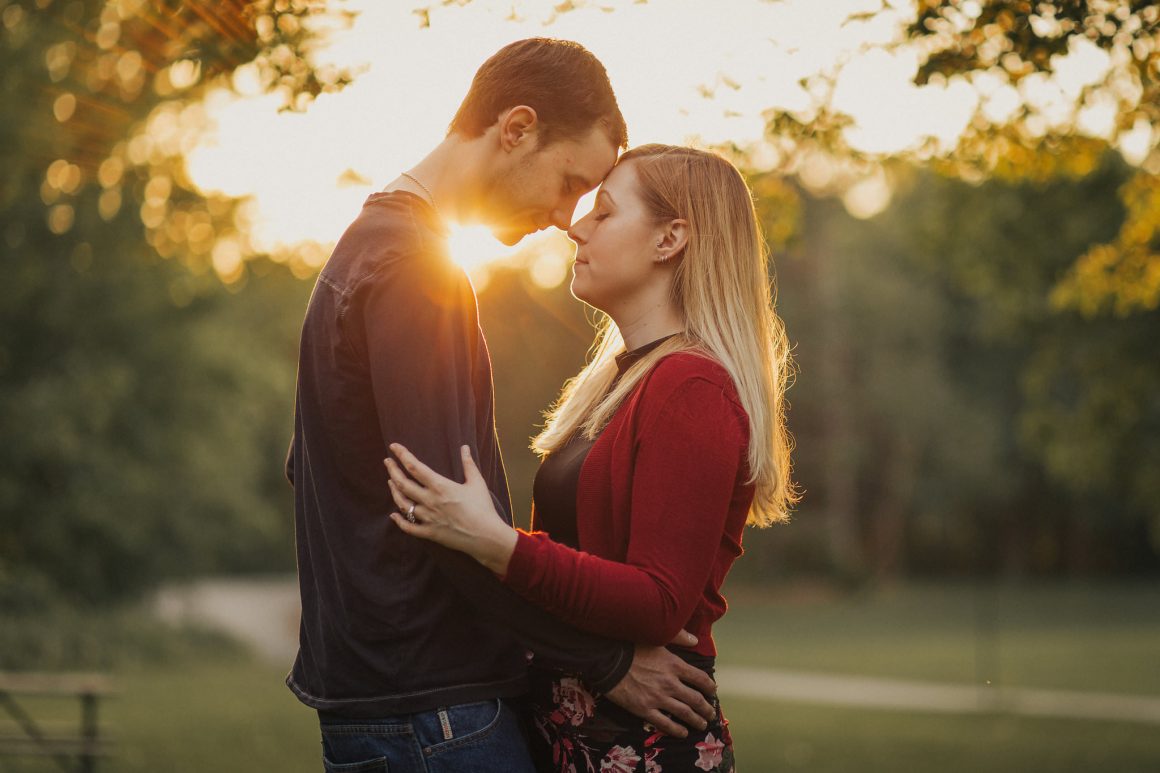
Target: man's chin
x=509, y=237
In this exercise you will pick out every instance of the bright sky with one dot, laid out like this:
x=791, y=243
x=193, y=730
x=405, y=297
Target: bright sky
x=685, y=71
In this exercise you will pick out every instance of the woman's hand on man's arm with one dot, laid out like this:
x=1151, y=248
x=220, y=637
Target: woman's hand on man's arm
x=459, y=516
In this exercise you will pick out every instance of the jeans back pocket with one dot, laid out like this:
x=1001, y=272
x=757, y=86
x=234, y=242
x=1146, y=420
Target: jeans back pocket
x=376, y=765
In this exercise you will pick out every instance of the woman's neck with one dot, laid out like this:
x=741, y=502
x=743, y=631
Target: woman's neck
x=649, y=325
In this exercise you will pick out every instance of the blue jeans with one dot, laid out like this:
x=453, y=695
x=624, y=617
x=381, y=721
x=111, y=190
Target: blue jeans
x=481, y=737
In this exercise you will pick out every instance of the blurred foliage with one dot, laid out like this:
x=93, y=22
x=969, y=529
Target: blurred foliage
x=1004, y=49
x=978, y=372
x=60, y=637
x=107, y=94
x=1015, y=39
x=1000, y=47
x=141, y=400
x=963, y=401
x=949, y=419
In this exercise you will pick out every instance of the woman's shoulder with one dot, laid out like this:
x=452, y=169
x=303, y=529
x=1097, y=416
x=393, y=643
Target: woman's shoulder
x=692, y=387
x=697, y=374
x=680, y=367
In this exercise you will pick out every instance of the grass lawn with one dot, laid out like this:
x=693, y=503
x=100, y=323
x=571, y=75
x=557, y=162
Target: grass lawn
x=822, y=739
x=213, y=712
x=1084, y=637
x=214, y=715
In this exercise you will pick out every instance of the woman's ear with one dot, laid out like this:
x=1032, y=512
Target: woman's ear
x=518, y=126
x=672, y=240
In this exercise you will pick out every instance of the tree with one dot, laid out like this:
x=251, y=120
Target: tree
x=1005, y=50
x=944, y=409
x=141, y=408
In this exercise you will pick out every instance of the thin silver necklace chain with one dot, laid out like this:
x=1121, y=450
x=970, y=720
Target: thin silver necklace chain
x=430, y=198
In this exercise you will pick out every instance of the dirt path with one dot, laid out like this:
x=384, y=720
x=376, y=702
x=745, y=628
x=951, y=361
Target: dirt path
x=940, y=697
x=264, y=613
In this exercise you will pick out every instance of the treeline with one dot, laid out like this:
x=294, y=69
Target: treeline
x=949, y=418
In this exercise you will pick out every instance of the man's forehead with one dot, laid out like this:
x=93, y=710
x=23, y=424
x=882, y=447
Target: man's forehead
x=591, y=158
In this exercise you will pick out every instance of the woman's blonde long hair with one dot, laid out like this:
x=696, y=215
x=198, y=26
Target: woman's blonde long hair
x=722, y=287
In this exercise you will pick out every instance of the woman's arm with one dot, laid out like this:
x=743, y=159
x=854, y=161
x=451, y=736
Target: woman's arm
x=690, y=446
x=686, y=469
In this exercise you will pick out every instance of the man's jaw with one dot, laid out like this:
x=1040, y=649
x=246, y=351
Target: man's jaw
x=512, y=236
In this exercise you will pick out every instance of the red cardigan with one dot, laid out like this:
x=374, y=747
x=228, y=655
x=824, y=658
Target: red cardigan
x=661, y=505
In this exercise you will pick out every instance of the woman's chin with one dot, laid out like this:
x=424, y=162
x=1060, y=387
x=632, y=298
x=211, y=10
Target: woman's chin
x=580, y=294
x=579, y=288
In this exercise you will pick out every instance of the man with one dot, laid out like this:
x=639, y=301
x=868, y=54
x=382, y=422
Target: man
x=411, y=652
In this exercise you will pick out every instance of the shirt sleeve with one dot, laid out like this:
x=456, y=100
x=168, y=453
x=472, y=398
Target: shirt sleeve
x=688, y=459
x=418, y=320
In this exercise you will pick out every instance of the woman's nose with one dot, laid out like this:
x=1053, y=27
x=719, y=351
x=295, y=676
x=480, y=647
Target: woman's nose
x=575, y=231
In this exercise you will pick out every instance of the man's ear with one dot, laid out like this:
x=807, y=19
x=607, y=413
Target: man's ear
x=517, y=126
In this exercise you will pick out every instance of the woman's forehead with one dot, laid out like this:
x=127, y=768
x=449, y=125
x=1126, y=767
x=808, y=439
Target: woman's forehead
x=621, y=179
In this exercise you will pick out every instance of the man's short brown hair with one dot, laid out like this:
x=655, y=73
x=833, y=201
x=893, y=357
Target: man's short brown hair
x=561, y=80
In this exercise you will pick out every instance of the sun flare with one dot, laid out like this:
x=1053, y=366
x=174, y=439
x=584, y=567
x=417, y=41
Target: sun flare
x=753, y=58
x=474, y=246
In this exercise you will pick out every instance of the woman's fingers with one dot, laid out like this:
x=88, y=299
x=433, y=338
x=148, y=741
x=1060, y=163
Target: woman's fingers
x=396, y=472
x=413, y=491
x=400, y=499
x=409, y=488
x=470, y=471
x=414, y=529
x=418, y=470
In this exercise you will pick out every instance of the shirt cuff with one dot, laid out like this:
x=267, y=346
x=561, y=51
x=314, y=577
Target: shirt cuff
x=603, y=683
x=522, y=565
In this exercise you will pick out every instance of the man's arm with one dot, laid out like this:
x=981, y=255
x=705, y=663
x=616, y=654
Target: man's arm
x=289, y=466
x=420, y=337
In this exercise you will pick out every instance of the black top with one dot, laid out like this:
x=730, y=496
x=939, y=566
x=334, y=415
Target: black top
x=557, y=480
x=392, y=351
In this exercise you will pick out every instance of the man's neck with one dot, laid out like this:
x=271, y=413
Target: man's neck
x=446, y=177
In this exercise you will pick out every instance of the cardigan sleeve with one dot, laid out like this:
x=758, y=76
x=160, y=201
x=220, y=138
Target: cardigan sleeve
x=688, y=457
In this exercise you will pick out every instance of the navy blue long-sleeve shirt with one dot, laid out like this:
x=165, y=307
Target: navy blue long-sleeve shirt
x=392, y=351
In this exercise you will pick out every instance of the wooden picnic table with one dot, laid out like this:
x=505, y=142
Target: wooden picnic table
x=74, y=746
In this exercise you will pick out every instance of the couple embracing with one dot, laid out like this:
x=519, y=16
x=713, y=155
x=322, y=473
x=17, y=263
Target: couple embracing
x=434, y=635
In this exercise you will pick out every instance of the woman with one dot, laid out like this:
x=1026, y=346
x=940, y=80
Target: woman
x=655, y=456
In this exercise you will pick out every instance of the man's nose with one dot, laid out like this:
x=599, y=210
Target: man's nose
x=561, y=216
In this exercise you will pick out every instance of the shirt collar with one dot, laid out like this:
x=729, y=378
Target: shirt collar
x=626, y=360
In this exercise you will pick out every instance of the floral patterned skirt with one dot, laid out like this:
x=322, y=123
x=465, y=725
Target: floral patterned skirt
x=573, y=731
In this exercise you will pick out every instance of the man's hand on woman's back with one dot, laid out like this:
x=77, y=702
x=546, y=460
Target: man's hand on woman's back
x=662, y=689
